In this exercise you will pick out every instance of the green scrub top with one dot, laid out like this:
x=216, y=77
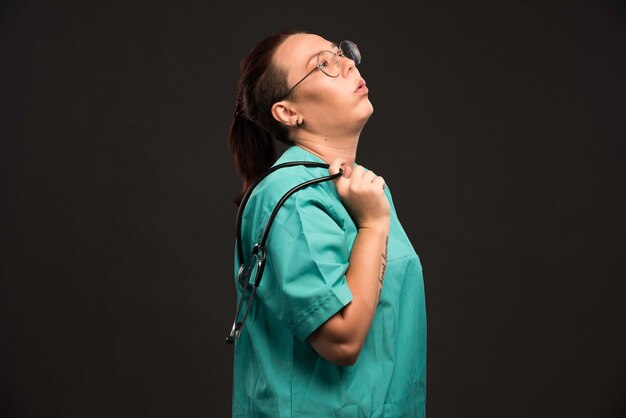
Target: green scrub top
x=276, y=372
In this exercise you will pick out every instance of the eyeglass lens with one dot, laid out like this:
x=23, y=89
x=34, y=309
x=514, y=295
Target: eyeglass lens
x=351, y=51
x=328, y=61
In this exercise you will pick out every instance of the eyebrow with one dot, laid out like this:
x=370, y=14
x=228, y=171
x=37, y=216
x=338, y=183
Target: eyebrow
x=333, y=45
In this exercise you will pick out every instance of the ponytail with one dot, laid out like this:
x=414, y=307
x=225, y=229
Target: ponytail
x=253, y=150
x=253, y=130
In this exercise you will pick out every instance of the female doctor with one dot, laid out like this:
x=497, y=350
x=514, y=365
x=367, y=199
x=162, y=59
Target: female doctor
x=338, y=325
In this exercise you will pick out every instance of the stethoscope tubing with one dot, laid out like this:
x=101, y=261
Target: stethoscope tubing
x=259, y=248
x=248, y=193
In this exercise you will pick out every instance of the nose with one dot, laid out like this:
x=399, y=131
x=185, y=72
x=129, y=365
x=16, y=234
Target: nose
x=347, y=64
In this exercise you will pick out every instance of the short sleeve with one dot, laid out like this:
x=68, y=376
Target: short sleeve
x=307, y=257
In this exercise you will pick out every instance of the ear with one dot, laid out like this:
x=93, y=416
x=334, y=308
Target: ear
x=285, y=113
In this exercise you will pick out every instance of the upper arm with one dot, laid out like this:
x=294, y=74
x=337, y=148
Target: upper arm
x=307, y=258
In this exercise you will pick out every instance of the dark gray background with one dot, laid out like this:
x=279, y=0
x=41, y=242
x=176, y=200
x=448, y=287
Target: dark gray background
x=499, y=127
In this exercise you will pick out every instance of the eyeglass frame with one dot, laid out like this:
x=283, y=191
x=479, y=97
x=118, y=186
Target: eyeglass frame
x=339, y=53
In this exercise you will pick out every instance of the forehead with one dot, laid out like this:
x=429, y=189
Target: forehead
x=297, y=50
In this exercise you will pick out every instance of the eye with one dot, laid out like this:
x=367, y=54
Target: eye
x=325, y=59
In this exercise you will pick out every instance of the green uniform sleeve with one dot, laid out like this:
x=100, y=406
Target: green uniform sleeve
x=307, y=258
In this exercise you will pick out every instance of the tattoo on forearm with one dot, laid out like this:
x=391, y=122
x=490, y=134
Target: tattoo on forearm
x=383, y=268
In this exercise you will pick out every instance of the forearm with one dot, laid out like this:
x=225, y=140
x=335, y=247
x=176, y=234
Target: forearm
x=341, y=338
x=365, y=277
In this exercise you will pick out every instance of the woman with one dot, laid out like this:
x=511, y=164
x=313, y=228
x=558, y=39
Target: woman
x=338, y=325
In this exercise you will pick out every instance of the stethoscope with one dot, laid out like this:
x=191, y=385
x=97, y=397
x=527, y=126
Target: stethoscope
x=256, y=262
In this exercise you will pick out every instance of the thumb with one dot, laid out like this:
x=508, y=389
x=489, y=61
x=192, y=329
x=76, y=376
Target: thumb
x=338, y=164
x=335, y=165
x=341, y=183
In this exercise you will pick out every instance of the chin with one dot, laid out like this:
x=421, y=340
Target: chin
x=366, y=111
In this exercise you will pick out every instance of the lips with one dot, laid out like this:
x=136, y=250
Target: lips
x=361, y=87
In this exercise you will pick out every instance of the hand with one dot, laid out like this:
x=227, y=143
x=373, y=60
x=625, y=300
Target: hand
x=363, y=194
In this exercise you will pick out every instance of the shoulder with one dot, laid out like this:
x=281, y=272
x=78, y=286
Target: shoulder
x=272, y=188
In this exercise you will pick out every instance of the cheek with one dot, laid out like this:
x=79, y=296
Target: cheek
x=331, y=99
x=329, y=94
x=323, y=91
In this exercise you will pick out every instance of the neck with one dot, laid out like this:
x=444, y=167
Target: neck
x=329, y=148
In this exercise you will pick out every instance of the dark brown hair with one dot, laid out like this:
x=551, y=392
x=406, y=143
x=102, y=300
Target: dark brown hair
x=252, y=133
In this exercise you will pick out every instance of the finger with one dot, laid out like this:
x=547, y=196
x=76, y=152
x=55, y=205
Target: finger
x=369, y=176
x=379, y=182
x=347, y=171
x=357, y=173
x=335, y=165
x=342, y=182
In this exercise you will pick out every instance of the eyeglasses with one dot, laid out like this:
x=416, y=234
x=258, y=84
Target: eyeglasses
x=328, y=62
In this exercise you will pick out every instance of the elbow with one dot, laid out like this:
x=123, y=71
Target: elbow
x=345, y=354
x=345, y=361
x=337, y=342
